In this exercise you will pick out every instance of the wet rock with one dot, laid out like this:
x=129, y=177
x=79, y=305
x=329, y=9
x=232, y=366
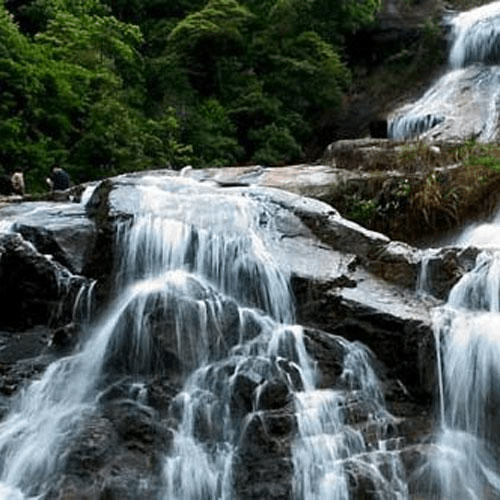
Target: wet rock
x=93, y=448
x=349, y=283
x=127, y=476
x=328, y=353
x=29, y=344
x=61, y=230
x=274, y=395
x=391, y=322
x=471, y=91
x=24, y=355
x=17, y=375
x=160, y=392
x=243, y=387
x=362, y=154
x=34, y=289
x=303, y=220
x=115, y=454
x=69, y=243
x=257, y=385
x=175, y=317
x=65, y=337
x=444, y=267
x=415, y=460
x=374, y=475
x=137, y=426
x=396, y=262
x=263, y=466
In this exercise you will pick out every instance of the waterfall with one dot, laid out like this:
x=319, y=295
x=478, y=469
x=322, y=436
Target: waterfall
x=330, y=452
x=464, y=464
x=33, y=436
x=463, y=103
x=482, y=234
x=198, y=295
x=476, y=36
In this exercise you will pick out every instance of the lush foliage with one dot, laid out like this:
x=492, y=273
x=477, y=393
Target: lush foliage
x=106, y=86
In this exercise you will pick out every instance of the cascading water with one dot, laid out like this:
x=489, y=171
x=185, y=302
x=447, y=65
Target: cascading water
x=331, y=453
x=464, y=464
x=464, y=102
x=44, y=416
x=199, y=295
x=476, y=36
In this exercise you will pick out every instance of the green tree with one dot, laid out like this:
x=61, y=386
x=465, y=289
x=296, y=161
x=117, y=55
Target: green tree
x=75, y=94
x=213, y=136
x=105, y=86
x=204, y=38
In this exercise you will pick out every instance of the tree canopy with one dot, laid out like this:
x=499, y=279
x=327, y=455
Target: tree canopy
x=108, y=86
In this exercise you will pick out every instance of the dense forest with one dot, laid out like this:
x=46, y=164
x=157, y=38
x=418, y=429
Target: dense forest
x=108, y=86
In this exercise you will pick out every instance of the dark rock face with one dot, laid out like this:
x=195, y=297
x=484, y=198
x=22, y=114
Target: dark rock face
x=174, y=327
x=34, y=288
x=68, y=245
x=114, y=455
x=405, y=346
x=5, y=185
x=348, y=283
x=445, y=267
x=263, y=466
x=399, y=38
x=378, y=129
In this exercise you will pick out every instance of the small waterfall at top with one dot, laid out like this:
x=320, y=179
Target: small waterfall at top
x=463, y=103
x=200, y=296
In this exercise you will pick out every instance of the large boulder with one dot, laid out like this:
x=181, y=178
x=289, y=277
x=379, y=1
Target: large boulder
x=34, y=288
x=61, y=230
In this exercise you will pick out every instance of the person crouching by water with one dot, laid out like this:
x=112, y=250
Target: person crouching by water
x=59, y=179
x=17, y=182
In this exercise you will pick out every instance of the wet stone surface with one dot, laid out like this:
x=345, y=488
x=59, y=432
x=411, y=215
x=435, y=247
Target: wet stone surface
x=139, y=411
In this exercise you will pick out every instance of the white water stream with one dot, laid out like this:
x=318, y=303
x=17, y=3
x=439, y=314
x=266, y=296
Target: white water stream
x=464, y=102
x=196, y=278
x=464, y=463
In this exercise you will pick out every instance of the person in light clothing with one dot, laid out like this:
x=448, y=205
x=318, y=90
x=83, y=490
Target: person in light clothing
x=17, y=182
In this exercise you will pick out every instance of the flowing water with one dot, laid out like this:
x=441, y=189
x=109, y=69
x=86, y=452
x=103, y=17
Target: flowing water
x=476, y=36
x=199, y=294
x=331, y=452
x=464, y=102
x=465, y=464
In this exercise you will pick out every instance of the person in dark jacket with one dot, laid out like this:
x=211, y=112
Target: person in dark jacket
x=59, y=179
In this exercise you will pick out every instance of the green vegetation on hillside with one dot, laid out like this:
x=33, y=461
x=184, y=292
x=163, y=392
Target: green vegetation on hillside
x=108, y=86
